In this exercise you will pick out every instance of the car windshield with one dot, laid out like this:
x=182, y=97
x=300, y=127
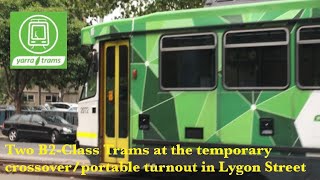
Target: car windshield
x=63, y=121
x=62, y=106
x=57, y=120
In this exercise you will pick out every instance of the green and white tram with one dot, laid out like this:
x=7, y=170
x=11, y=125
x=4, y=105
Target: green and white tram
x=239, y=75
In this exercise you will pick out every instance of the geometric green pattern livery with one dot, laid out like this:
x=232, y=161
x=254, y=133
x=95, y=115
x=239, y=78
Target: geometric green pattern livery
x=228, y=117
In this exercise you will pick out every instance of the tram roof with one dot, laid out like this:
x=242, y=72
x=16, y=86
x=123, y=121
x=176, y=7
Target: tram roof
x=265, y=11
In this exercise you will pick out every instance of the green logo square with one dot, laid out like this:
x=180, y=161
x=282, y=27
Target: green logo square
x=38, y=40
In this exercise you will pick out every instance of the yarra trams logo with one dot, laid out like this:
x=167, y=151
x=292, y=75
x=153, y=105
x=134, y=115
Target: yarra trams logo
x=38, y=40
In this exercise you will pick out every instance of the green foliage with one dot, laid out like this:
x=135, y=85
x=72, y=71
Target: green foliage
x=16, y=80
x=133, y=8
x=93, y=8
x=3, y=95
x=171, y=5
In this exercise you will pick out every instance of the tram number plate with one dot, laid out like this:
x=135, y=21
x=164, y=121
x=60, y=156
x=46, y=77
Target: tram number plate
x=84, y=110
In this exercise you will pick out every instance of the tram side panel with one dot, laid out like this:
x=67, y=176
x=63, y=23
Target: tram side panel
x=216, y=116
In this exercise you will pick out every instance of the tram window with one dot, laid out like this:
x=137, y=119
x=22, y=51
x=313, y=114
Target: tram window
x=308, y=57
x=90, y=87
x=256, y=59
x=312, y=33
x=185, y=41
x=123, y=92
x=188, y=62
x=110, y=86
x=256, y=37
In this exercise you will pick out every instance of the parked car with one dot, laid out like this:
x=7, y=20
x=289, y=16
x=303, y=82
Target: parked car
x=62, y=106
x=7, y=107
x=26, y=108
x=39, y=108
x=34, y=126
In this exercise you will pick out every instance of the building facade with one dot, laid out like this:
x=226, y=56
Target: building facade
x=36, y=96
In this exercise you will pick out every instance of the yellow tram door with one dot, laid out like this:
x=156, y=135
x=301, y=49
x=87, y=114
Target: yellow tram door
x=115, y=100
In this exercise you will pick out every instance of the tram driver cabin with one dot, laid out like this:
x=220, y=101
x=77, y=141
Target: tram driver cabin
x=240, y=74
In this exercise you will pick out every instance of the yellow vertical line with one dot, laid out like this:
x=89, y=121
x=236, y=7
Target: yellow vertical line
x=103, y=81
x=117, y=93
x=104, y=96
x=128, y=93
x=102, y=90
x=126, y=139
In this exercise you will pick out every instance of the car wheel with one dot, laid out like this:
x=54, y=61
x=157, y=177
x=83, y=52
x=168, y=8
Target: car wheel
x=54, y=137
x=13, y=135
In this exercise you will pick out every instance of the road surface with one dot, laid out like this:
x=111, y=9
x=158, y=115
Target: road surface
x=24, y=145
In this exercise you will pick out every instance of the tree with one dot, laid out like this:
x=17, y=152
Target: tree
x=82, y=9
x=3, y=94
x=75, y=75
x=132, y=8
x=17, y=80
x=76, y=72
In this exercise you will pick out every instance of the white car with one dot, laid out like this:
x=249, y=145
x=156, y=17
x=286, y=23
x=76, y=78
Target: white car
x=62, y=106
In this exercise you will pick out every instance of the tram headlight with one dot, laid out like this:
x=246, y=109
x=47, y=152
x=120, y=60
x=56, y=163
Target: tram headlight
x=66, y=130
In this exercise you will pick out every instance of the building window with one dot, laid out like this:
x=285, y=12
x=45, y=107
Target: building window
x=256, y=59
x=187, y=62
x=54, y=98
x=308, y=59
x=51, y=98
x=48, y=98
x=28, y=98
